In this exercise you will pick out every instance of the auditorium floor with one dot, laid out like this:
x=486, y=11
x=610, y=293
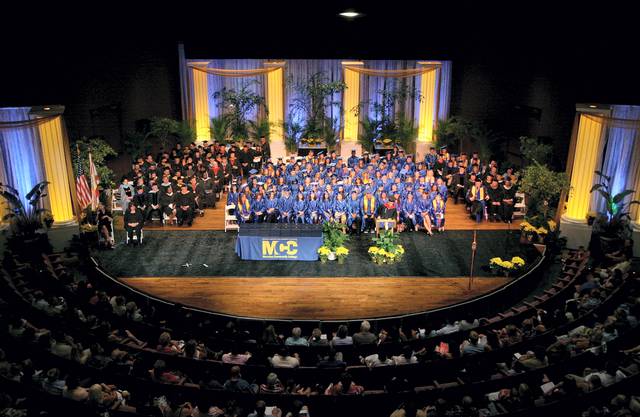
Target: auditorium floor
x=334, y=298
x=457, y=219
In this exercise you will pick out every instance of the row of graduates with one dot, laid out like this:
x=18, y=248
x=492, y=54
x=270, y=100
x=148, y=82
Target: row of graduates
x=358, y=212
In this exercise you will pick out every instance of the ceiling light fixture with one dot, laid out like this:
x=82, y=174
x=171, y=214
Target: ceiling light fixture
x=47, y=108
x=593, y=106
x=349, y=14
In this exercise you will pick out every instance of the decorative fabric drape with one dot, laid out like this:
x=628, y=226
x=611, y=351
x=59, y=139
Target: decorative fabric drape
x=235, y=74
x=297, y=72
x=445, y=90
x=393, y=73
x=621, y=152
x=20, y=150
x=371, y=87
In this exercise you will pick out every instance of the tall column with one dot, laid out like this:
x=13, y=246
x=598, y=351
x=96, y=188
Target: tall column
x=200, y=89
x=427, y=113
x=54, y=152
x=573, y=223
x=275, y=104
x=350, y=101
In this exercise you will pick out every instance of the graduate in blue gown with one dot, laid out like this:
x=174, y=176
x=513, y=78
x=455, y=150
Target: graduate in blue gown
x=300, y=209
x=313, y=208
x=437, y=213
x=285, y=206
x=424, y=210
x=257, y=209
x=340, y=209
x=232, y=196
x=408, y=213
x=271, y=208
x=326, y=207
x=243, y=210
x=354, y=214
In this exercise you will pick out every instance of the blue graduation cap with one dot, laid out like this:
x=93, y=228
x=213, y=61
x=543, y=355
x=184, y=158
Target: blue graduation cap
x=253, y=172
x=403, y=171
x=423, y=172
x=320, y=153
x=332, y=164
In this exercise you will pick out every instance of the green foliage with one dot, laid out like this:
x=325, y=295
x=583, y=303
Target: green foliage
x=533, y=150
x=136, y=144
x=334, y=235
x=465, y=136
x=292, y=134
x=369, y=133
x=387, y=241
x=543, y=188
x=219, y=129
x=184, y=133
x=314, y=97
x=405, y=132
x=101, y=151
x=167, y=131
x=261, y=128
x=617, y=213
x=235, y=106
x=25, y=221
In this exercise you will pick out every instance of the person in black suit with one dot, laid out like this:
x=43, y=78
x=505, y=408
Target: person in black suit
x=133, y=222
x=185, y=205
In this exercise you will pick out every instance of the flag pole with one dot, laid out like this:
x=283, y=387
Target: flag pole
x=474, y=246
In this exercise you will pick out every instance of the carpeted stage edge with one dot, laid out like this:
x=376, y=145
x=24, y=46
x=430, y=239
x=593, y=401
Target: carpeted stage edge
x=165, y=253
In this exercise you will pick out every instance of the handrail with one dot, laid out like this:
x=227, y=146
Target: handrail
x=535, y=268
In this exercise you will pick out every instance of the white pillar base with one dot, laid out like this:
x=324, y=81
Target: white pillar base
x=347, y=147
x=577, y=232
x=278, y=150
x=636, y=238
x=61, y=233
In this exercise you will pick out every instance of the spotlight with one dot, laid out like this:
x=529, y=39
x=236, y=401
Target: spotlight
x=47, y=108
x=593, y=106
x=349, y=14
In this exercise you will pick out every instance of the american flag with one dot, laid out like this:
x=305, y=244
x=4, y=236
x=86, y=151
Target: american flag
x=82, y=187
x=95, y=180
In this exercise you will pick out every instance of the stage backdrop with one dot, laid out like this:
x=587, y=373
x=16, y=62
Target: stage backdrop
x=275, y=80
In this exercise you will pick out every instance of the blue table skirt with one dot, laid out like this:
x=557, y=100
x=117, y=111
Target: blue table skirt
x=265, y=248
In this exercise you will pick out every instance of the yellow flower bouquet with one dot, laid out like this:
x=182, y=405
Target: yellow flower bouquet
x=506, y=267
x=324, y=252
x=342, y=253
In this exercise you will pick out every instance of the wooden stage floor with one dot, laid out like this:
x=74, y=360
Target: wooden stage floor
x=304, y=298
x=457, y=219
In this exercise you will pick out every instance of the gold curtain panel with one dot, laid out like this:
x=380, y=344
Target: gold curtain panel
x=613, y=122
x=236, y=72
x=396, y=73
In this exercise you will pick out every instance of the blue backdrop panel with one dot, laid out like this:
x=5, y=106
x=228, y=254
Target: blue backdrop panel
x=288, y=242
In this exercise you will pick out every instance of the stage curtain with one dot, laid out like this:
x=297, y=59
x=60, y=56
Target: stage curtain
x=445, y=90
x=620, y=156
x=235, y=74
x=298, y=71
x=393, y=73
x=20, y=147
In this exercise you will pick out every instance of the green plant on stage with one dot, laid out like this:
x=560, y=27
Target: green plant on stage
x=101, y=151
x=167, y=131
x=219, y=129
x=334, y=235
x=465, y=135
x=617, y=220
x=534, y=150
x=25, y=221
x=543, y=187
x=260, y=129
x=136, y=144
x=405, y=132
x=236, y=105
x=386, y=249
x=292, y=133
x=369, y=133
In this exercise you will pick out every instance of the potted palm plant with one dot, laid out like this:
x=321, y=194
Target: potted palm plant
x=616, y=221
x=27, y=224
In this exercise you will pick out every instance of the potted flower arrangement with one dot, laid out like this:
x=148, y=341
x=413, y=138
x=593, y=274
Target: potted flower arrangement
x=342, y=253
x=386, y=249
x=505, y=267
x=536, y=228
x=334, y=240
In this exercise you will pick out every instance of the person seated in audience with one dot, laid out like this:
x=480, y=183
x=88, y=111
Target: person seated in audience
x=407, y=357
x=535, y=359
x=140, y=200
x=237, y=356
x=153, y=200
x=167, y=345
x=408, y=213
x=133, y=222
x=282, y=359
x=339, y=209
x=341, y=337
x=296, y=338
x=168, y=205
x=317, y=338
x=107, y=397
x=377, y=359
x=458, y=185
x=285, y=206
x=73, y=390
x=364, y=336
x=354, y=214
x=271, y=208
x=475, y=343
x=344, y=386
x=126, y=192
x=53, y=383
x=423, y=207
x=332, y=360
x=621, y=255
x=185, y=206
x=272, y=385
